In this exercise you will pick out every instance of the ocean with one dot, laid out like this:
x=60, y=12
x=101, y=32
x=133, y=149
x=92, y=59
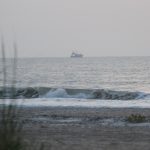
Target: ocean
x=79, y=82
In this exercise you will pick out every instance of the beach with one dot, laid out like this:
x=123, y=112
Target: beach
x=74, y=75
x=73, y=128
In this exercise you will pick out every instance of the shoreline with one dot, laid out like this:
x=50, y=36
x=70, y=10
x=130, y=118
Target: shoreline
x=123, y=111
x=84, y=103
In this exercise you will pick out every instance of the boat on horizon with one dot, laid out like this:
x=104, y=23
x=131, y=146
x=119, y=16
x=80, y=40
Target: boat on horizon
x=76, y=55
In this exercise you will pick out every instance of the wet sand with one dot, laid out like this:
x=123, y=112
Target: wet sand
x=66, y=128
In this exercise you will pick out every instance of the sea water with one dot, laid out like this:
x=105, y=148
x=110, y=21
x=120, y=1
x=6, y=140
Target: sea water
x=80, y=82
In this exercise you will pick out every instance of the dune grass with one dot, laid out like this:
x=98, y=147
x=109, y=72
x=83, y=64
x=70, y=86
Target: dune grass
x=11, y=125
x=136, y=118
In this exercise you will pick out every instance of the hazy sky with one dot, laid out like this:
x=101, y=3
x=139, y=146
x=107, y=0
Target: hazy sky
x=94, y=27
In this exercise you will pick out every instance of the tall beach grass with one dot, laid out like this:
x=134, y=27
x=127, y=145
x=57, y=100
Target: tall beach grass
x=11, y=126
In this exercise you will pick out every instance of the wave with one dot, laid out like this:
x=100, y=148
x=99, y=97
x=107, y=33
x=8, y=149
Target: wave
x=45, y=92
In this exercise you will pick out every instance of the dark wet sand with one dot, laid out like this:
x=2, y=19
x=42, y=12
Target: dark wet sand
x=85, y=128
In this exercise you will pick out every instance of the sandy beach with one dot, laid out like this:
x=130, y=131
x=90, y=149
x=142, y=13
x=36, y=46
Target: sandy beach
x=69, y=128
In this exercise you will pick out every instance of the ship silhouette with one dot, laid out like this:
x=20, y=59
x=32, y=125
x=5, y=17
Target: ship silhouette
x=76, y=55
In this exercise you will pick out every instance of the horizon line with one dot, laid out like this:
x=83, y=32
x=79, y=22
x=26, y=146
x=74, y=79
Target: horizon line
x=81, y=58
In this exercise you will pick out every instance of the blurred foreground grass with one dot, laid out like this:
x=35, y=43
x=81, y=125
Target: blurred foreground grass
x=11, y=126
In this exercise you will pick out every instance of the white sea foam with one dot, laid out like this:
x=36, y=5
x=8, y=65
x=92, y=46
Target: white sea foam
x=94, y=94
x=72, y=102
x=59, y=93
x=62, y=93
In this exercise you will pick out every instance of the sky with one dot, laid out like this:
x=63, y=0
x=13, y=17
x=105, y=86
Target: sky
x=54, y=28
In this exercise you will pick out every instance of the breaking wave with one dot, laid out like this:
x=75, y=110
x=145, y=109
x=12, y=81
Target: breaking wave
x=45, y=92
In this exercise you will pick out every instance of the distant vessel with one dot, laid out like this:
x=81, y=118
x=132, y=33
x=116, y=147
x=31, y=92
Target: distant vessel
x=76, y=55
